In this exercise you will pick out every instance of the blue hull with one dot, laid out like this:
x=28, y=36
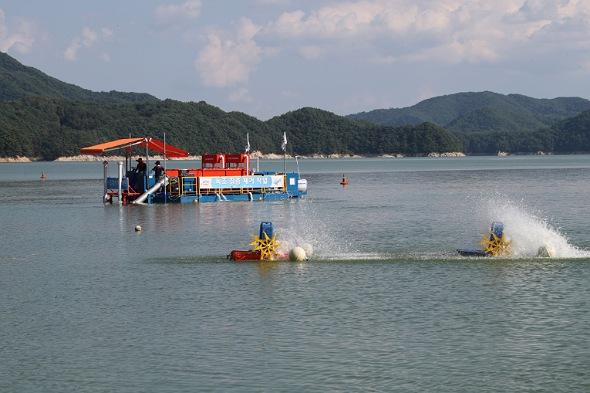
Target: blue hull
x=472, y=253
x=225, y=198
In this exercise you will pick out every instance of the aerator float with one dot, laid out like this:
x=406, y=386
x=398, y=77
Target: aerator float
x=266, y=247
x=494, y=244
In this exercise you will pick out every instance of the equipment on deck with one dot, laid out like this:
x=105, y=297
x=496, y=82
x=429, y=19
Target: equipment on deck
x=221, y=177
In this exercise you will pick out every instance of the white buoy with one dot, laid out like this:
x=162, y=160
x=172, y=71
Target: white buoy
x=297, y=254
x=308, y=249
x=138, y=228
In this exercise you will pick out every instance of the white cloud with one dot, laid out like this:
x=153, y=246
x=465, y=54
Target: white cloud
x=290, y=94
x=240, y=95
x=445, y=30
x=310, y=52
x=71, y=52
x=229, y=60
x=2, y=24
x=87, y=39
x=404, y=31
x=168, y=14
x=273, y=2
x=21, y=39
x=107, y=33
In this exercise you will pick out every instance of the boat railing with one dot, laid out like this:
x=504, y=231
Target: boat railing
x=190, y=186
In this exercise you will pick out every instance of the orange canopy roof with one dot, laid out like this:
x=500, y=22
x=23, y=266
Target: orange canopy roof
x=152, y=144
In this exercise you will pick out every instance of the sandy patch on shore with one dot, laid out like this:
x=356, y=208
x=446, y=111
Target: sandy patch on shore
x=15, y=159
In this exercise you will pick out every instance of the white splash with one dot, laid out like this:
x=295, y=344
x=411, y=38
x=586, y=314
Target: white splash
x=530, y=233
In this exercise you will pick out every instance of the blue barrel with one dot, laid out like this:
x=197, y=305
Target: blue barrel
x=265, y=227
x=498, y=229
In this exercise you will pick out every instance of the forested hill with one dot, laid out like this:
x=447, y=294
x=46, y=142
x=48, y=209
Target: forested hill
x=50, y=127
x=481, y=112
x=18, y=81
x=573, y=135
x=314, y=130
x=42, y=117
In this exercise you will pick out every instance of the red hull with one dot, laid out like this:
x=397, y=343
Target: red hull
x=240, y=255
x=249, y=255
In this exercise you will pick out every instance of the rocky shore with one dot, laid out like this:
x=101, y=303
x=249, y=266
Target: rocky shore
x=447, y=154
x=15, y=159
x=253, y=155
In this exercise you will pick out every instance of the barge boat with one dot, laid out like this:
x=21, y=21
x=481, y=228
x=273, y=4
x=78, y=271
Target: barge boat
x=222, y=177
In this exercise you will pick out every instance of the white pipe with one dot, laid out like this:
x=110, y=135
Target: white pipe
x=146, y=175
x=105, y=174
x=223, y=161
x=164, y=166
x=154, y=188
x=221, y=197
x=120, y=181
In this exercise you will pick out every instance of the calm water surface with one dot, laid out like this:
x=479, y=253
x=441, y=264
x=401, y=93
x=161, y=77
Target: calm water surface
x=88, y=305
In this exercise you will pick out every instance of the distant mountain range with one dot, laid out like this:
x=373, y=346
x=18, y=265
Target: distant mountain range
x=481, y=112
x=45, y=118
x=19, y=81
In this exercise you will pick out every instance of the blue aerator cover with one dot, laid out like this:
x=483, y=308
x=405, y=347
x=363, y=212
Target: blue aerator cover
x=497, y=229
x=265, y=227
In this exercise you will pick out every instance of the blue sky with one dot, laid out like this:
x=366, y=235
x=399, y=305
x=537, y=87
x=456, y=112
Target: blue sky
x=266, y=57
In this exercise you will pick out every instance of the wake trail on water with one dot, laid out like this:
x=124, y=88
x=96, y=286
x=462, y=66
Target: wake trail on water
x=528, y=231
x=311, y=231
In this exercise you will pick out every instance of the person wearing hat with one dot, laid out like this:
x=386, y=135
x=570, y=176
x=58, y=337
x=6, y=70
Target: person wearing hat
x=141, y=166
x=139, y=176
x=158, y=170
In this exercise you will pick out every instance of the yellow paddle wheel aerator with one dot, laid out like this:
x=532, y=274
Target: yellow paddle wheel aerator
x=495, y=243
x=268, y=246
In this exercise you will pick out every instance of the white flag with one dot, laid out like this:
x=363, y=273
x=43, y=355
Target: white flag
x=247, y=142
x=284, y=145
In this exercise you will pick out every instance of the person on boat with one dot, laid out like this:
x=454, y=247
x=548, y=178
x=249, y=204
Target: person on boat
x=141, y=166
x=158, y=170
x=140, y=170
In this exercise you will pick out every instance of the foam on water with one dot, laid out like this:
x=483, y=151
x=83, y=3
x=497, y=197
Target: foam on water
x=528, y=231
x=312, y=232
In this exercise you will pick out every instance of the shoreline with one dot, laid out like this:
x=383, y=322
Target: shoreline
x=253, y=155
x=274, y=156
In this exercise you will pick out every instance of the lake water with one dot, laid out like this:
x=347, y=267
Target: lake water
x=89, y=305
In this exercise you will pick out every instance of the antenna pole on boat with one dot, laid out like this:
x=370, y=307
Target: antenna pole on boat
x=297, y=162
x=146, y=175
x=284, y=147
